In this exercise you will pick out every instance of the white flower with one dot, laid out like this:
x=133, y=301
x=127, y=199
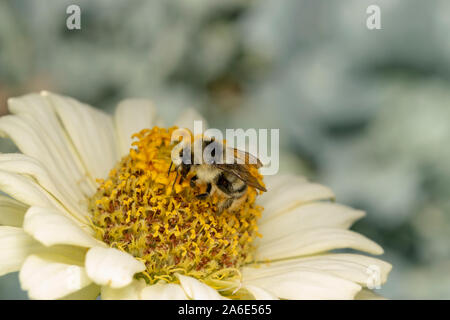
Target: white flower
x=47, y=232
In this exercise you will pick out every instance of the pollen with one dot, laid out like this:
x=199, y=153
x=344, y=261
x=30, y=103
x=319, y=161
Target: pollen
x=136, y=210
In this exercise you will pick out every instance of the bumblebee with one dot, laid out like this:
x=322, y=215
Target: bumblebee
x=231, y=180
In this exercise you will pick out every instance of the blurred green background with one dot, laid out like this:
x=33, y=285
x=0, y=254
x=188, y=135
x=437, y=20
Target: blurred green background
x=366, y=112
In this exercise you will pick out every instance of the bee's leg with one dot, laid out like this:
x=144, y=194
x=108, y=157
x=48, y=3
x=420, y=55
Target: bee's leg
x=184, y=172
x=171, y=163
x=207, y=193
x=192, y=181
x=237, y=202
x=185, y=168
x=174, y=181
x=225, y=204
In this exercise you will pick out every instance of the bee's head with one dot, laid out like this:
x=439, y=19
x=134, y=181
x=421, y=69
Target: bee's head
x=212, y=150
x=185, y=158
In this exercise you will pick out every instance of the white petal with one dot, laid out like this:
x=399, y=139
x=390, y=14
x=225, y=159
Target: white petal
x=91, y=292
x=65, y=254
x=129, y=292
x=197, y=290
x=290, y=196
x=25, y=190
x=11, y=211
x=278, y=181
x=91, y=131
x=131, y=116
x=163, y=291
x=366, y=294
x=186, y=119
x=38, y=132
x=315, y=241
x=30, y=167
x=354, y=267
x=15, y=246
x=51, y=227
x=111, y=267
x=277, y=184
x=309, y=216
x=304, y=284
x=259, y=293
x=47, y=278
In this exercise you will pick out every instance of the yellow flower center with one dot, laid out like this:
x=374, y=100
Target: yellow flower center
x=135, y=210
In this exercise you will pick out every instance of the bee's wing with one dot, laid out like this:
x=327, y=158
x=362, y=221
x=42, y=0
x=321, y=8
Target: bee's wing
x=241, y=171
x=244, y=157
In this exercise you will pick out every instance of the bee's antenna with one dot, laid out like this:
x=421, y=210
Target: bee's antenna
x=168, y=172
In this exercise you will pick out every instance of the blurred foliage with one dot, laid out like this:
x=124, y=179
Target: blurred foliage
x=365, y=112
